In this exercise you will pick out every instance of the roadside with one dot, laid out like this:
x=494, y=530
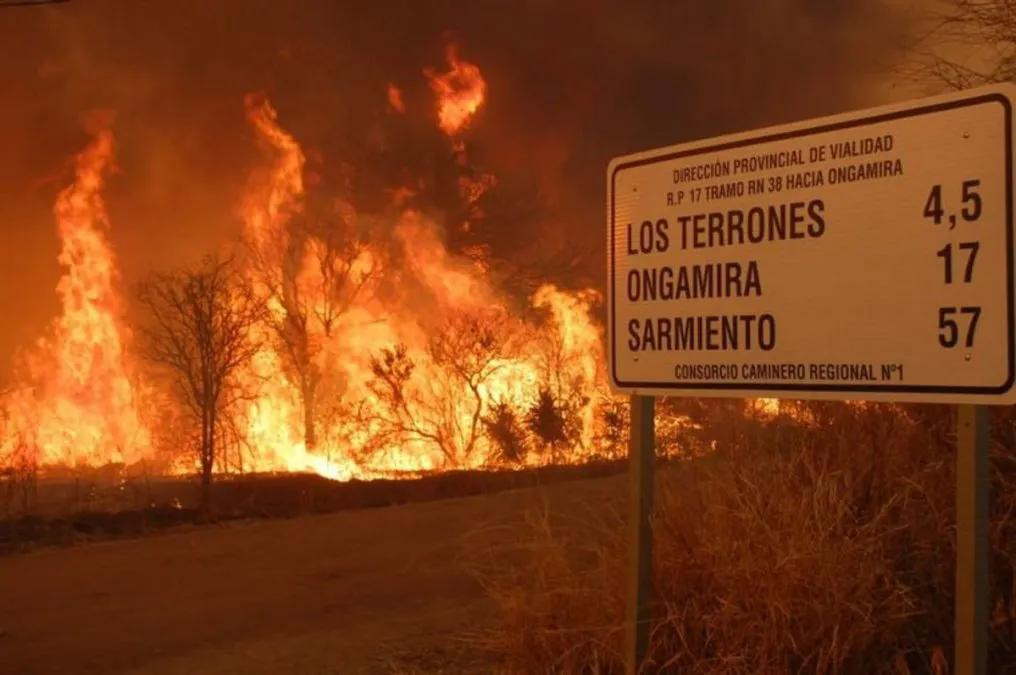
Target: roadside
x=379, y=590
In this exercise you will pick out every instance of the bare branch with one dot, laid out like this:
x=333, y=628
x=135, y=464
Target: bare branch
x=201, y=330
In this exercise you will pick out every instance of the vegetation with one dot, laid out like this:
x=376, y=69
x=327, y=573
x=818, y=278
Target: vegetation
x=820, y=540
x=506, y=433
x=548, y=420
x=969, y=43
x=311, y=273
x=201, y=330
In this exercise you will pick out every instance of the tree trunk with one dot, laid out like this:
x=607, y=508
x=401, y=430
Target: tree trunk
x=206, y=491
x=207, y=463
x=309, y=435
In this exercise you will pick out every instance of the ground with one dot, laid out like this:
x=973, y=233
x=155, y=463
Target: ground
x=369, y=590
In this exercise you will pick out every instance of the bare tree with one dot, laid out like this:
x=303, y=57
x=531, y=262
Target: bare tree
x=202, y=330
x=469, y=350
x=969, y=43
x=311, y=272
x=445, y=407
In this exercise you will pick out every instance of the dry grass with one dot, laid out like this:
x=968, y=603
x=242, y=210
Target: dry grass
x=821, y=542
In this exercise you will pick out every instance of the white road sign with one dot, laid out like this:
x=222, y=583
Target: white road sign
x=860, y=256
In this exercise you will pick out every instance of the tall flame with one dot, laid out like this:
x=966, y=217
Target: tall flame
x=267, y=211
x=437, y=308
x=268, y=208
x=382, y=354
x=79, y=405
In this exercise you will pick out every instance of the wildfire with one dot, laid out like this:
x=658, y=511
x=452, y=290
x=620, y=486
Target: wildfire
x=380, y=354
x=461, y=90
x=270, y=205
x=450, y=357
x=276, y=414
x=76, y=404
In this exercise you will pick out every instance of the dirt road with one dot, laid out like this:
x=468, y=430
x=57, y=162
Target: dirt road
x=358, y=591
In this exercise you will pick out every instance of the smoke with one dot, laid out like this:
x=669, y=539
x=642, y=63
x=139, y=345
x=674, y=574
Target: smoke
x=569, y=86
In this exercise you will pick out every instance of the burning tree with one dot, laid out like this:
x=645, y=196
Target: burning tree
x=468, y=351
x=489, y=388
x=202, y=330
x=445, y=405
x=316, y=270
x=310, y=307
x=310, y=267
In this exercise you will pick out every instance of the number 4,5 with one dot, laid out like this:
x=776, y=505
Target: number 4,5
x=971, y=210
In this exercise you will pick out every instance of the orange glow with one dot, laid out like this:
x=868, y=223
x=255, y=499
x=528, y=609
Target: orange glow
x=381, y=356
x=269, y=206
x=440, y=293
x=395, y=99
x=460, y=91
x=76, y=403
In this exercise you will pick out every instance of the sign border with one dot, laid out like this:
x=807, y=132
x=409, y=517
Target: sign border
x=683, y=385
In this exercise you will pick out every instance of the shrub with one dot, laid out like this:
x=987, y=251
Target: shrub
x=819, y=541
x=552, y=422
x=506, y=433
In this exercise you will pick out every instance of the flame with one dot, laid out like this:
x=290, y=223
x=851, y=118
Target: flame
x=472, y=189
x=76, y=403
x=395, y=99
x=460, y=91
x=436, y=307
x=380, y=356
x=269, y=206
x=577, y=351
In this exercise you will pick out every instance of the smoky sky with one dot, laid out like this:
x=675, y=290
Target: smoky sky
x=570, y=84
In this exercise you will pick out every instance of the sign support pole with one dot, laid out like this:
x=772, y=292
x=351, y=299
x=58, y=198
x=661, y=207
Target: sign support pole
x=972, y=486
x=641, y=452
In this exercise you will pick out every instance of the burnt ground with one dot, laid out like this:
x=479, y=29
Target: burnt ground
x=388, y=589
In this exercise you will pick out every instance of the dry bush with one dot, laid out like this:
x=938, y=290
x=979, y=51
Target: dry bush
x=554, y=423
x=507, y=434
x=19, y=480
x=818, y=541
x=555, y=594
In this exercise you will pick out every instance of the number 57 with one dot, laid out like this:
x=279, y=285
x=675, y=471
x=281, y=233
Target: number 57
x=948, y=329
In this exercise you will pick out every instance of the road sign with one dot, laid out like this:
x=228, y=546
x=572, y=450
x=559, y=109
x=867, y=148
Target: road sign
x=861, y=256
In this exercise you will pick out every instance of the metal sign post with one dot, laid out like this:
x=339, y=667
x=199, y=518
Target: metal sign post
x=972, y=489
x=641, y=452
x=863, y=256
